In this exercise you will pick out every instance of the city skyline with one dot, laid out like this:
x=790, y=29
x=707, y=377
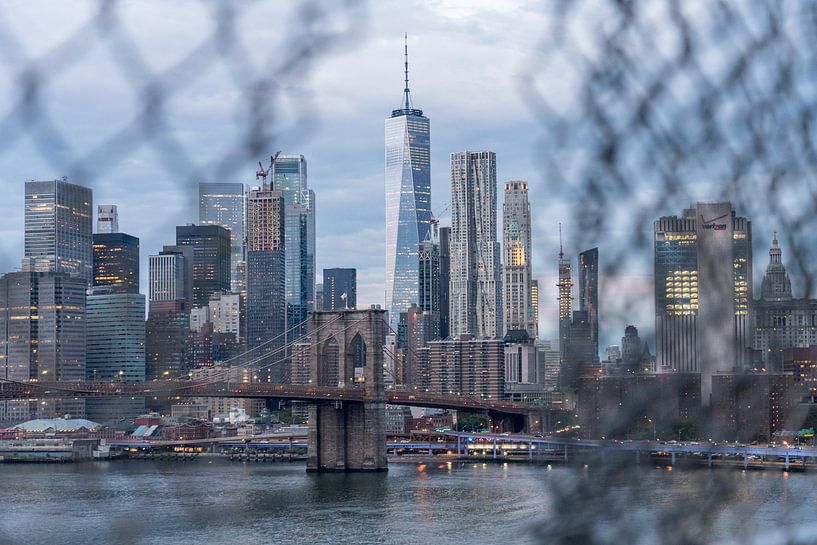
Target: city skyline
x=348, y=174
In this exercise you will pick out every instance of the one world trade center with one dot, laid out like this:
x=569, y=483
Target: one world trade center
x=408, y=201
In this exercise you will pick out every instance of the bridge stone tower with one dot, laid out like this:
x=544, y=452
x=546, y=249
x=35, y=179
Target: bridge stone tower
x=347, y=353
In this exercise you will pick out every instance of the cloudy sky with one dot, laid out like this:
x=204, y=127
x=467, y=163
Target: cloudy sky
x=144, y=101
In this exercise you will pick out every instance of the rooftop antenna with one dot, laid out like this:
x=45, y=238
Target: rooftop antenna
x=406, y=96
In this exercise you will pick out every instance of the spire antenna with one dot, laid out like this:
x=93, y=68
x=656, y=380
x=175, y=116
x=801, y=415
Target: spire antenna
x=561, y=250
x=406, y=95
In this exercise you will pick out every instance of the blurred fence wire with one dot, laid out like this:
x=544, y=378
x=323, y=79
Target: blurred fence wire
x=647, y=107
x=266, y=76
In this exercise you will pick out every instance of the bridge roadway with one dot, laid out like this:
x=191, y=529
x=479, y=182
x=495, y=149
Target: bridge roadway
x=497, y=445
x=10, y=390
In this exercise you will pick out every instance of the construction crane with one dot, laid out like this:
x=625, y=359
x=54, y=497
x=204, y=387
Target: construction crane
x=263, y=174
x=435, y=221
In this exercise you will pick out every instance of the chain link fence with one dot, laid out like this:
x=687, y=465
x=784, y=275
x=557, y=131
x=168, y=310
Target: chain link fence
x=644, y=107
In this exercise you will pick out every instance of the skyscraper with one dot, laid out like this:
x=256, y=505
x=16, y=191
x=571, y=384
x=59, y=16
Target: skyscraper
x=703, y=282
x=115, y=350
x=476, y=287
x=565, y=288
x=115, y=325
x=116, y=263
x=58, y=228
x=288, y=175
x=171, y=275
x=589, y=291
x=223, y=204
x=42, y=335
x=266, y=288
x=211, y=259
x=336, y=283
x=107, y=218
x=408, y=201
x=516, y=237
x=429, y=296
x=166, y=335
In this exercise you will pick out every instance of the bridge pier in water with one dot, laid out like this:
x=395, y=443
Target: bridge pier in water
x=347, y=352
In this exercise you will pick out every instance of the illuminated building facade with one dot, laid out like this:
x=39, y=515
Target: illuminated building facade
x=58, y=228
x=703, y=286
x=116, y=263
x=519, y=312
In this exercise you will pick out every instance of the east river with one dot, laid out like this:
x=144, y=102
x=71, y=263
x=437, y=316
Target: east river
x=213, y=501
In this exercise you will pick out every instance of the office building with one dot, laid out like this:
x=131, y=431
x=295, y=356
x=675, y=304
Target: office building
x=588, y=274
x=107, y=218
x=223, y=204
x=551, y=357
x=579, y=354
x=339, y=289
x=430, y=277
x=166, y=339
x=266, y=288
x=115, y=350
x=288, y=175
x=42, y=337
x=476, y=286
x=58, y=228
x=781, y=321
x=517, y=276
x=408, y=201
x=115, y=263
x=703, y=285
x=211, y=259
x=171, y=275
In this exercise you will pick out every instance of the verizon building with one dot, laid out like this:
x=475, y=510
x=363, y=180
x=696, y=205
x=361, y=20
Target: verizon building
x=703, y=285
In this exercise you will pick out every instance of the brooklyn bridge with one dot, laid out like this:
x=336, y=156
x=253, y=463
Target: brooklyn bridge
x=346, y=394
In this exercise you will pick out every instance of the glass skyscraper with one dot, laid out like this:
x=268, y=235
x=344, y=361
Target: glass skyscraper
x=288, y=175
x=224, y=204
x=336, y=283
x=589, y=291
x=211, y=259
x=58, y=228
x=116, y=263
x=408, y=202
